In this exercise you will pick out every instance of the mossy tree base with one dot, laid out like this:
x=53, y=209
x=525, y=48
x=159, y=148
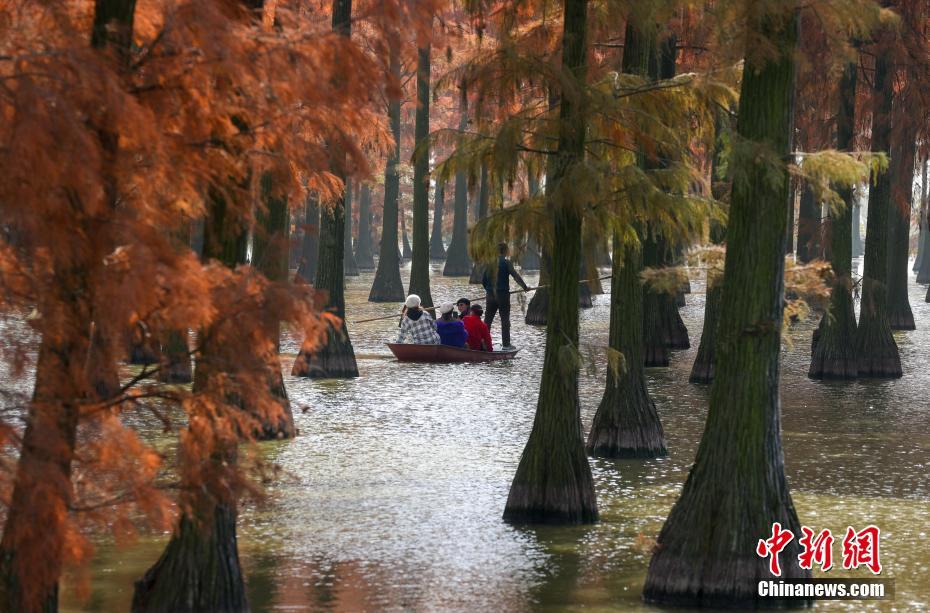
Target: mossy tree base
x=334, y=360
x=198, y=571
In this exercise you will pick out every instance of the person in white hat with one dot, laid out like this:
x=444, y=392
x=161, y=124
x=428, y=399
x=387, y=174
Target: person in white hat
x=451, y=330
x=416, y=325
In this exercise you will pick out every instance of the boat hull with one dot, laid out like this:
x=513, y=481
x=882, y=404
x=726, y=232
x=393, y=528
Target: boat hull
x=444, y=354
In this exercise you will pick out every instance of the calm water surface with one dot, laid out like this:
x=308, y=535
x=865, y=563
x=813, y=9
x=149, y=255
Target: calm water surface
x=396, y=485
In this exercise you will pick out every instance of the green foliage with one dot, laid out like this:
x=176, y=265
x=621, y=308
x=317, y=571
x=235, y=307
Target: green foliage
x=825, y=170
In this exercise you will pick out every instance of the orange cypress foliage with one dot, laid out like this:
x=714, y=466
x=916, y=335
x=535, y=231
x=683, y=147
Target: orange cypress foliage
x=107, y=158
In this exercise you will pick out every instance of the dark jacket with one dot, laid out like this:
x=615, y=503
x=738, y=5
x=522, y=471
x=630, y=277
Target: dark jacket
x=452, y=332
x=499, y=284
x=478, y=333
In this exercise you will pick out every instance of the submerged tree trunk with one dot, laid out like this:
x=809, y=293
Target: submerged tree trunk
x=875, y=346
x=626, y=424
x=538, y=308
x=387, y=286
x=530, y=260
x=364, y=256
x=834, y=353
x=350, y=267
x=310, y=243
x=702, y=371
x=335, y=359
x=407, y=252
x=923, y=259
x=705, y=555
x=553, y=483
x=457, y=261
x=904, y=146
x=419, y=269
x=437, y=249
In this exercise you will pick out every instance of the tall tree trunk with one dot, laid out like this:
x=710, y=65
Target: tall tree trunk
x=349, y=266
x=457, y=261
x=477, y=269
x=834, y=352
x=269, y=256
x=364, y=256
x=922, y=237
x=553, y=483
x=627, y=424
x=419, y=269
x=387, y=286
x=530, y=260
x=875, y=345
x=655, y=343
x=407, y=253
x=437, y=249
x=310, y=243
x=335, y=359
x=904, y=148
x=706, y=552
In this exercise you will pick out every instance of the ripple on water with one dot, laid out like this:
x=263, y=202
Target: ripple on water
x=396, y=485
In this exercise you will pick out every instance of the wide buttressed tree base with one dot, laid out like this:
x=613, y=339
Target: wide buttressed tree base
x=626, y=424
x=702, y=371
x=706, y=552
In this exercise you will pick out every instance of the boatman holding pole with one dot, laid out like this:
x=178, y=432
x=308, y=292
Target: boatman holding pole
x=497, y=286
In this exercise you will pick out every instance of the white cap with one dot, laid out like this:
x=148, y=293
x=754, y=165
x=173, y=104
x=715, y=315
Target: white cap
x=446, y=307
x=412, y=302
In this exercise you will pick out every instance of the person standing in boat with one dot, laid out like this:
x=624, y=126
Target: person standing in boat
x=451, y=330
x=479, y=335
x=416, y=325
x=497, y=287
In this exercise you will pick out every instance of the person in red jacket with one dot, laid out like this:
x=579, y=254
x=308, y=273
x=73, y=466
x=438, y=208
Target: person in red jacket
x=479, y=335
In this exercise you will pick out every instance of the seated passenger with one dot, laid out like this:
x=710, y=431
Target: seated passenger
x=416, y=325
x=451, y=330
x=479, y=336
x=463, y=305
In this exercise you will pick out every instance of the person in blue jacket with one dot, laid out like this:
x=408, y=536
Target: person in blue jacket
x=451, y=330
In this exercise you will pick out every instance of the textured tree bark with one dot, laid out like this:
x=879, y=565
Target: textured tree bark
x=349, y=266
x=626, y=424
x=335, y=359
x=457, y=262
x=419, y=269
x=923, y=259
x=437, y=249
x=706, y=552
x=834, y=352
x=310, y=243
x=387, y=286
x=875, y=346
x=538, y=308
x=553, y=483
x=364, y=256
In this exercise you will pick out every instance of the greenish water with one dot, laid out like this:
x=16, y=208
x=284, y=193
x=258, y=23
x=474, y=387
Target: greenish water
x=396, y=484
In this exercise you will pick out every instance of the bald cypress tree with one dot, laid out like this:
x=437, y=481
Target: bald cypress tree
x=387, y=286
x=834, y=353
x=627, y=424
x=876, y=349
x=419, y=270
x=553, y=483
x=364, y=256
x=457, y=261
x=437, y=249
x=349, y=265
x=706, y=552
x=335, y=359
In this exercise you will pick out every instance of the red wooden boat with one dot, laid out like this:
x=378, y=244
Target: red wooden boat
x=444, y=354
